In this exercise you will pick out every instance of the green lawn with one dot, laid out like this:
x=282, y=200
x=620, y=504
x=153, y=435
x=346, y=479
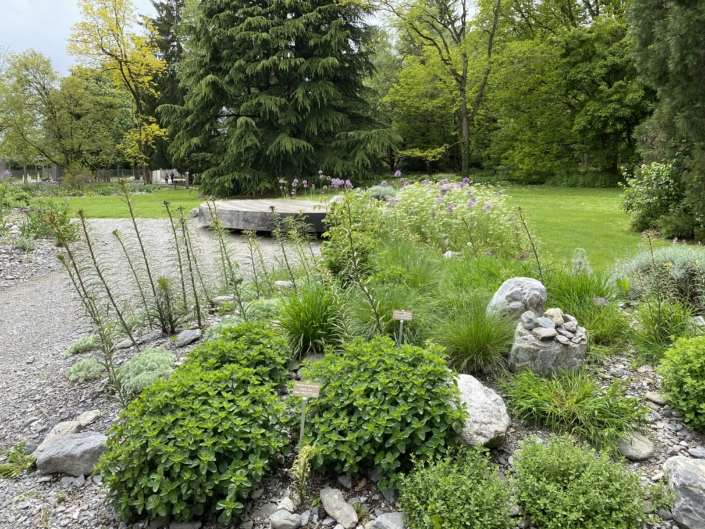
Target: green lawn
x=569, y=218
x=563, y=218
x=147, y=205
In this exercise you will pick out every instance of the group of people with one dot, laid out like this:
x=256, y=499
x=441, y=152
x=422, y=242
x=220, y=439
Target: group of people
x=168, y=176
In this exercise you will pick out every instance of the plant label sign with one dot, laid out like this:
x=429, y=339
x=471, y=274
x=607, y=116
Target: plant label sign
x=306, y=389
x=403, y=315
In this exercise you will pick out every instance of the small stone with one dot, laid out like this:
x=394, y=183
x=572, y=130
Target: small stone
x=697, y=452
x=80, y=481
x=374, y=475
x=124, y=344
x=188, y=337
x=345, y=481
x=698, y=320
x=664, y=514
x=248, y=524
x=185, y=525
x=283, y=285
x=570, y=326
x=335, y=505
x=547, y=323
x=563, y=340
x=30, y=360
x=283, y=519
x=193, y=213
x=555, y=315
x=655, y=397
x=29, y=421
x=647, y=507
x=219, y=300
x=256, y=494
x=392, y=520
x=268, y=509
x=529, y=320
x=286, y=505
x=87, y=417
x=645, y=369
x=544, y=333
x=158, y=524
x=73, y=454
x=305, y=517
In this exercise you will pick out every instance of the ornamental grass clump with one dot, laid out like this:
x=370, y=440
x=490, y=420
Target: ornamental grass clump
x=561, y=485
x=457, y=491
x=573, y=403
x=379, y=405
x=683, y=372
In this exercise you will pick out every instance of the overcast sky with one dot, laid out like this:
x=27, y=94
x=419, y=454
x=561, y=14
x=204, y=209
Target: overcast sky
x=45, y=25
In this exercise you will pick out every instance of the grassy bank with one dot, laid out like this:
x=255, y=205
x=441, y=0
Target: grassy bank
x=148, y=205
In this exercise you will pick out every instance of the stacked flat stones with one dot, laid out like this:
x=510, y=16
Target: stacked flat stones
x=549, y=343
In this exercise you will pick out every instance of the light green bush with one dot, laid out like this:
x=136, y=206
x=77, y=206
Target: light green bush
x=380, y=405
x=562, y=485
x=573, y=403
x=82, y=345
x=457, y=491
x=683, y=371
x=89, y=369
x=144, y=368
x=651, y=193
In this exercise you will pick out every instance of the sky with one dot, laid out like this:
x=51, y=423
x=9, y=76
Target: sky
x=44, y=25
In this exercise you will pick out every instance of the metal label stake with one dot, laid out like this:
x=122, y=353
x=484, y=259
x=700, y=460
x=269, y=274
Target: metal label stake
x=401, y=316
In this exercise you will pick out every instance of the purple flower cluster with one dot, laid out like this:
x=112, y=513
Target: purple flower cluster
x=392, y=202
x=384, y=183
x=397, y=174
x=470, y=203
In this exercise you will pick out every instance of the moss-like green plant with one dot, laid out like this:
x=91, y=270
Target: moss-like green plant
x=144, y=369
x=455, y=492
x=82, y=345
x=561, y=485
x=89, y=369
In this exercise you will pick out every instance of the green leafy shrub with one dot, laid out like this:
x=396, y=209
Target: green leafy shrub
x=683, y=371
x=82, y=345
x=89, y=369
x=381, y=404
x=265, y=309
x=456, y=491
x=192, y=445
x=18, y=460
x=563, y=485
x=573, y=403
x=307, y=317
x=37, y=224
x=250, y=345
x=475, y=340
x=650, y=194
x=144, y=368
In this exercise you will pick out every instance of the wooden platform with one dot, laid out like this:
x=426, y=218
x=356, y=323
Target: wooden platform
x=256, y=215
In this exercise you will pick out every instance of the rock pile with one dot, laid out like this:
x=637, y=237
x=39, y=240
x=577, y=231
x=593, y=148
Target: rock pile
x=551, y=343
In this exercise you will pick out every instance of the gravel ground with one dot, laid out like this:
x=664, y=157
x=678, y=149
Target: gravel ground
x=40, y=318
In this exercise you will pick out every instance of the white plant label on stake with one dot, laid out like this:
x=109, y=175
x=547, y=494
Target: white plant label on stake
x=401, y=316
x=307, y=390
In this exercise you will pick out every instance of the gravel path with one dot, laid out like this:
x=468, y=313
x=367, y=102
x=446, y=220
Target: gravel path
x=39, y=318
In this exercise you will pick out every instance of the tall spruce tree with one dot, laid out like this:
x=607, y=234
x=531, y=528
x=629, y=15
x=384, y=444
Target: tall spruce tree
x=670, y=56
x=276, y=91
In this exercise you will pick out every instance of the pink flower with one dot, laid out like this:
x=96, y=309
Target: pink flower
x=451, y=207
x=397, y=174
x=486, y=207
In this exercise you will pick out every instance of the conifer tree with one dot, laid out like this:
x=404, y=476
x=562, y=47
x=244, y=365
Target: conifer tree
x=275, y=90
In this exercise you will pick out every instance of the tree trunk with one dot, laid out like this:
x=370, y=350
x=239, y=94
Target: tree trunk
x=464, y=125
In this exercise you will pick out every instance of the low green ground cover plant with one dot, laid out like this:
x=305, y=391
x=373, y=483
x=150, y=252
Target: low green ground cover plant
x=144, y=369
x=379, y=405
x=82, y=345
x=16, y=461
x=561, y=484
x=88, y=369
x=455, y=491
x=683, y=372
x=574, y=403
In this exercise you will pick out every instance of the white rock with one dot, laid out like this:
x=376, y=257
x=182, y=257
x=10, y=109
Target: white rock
x=335, y=505
x=283, y=519
x=488, y=420
x=287, y=505
x=87, y=417
x=391, y=520
x=656, y=398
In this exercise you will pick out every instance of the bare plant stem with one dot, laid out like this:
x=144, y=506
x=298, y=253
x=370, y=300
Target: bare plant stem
x=134, y=274
x=250, y=236
x=278, y=235
x=531, y=241
x=172, y=223
x=189, y=263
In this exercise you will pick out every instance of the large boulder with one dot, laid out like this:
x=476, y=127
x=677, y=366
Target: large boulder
x=74, y=454
x=488, y=422
x=335, y=505
x=686, y=477
x=517, y=295
x=544, y=347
